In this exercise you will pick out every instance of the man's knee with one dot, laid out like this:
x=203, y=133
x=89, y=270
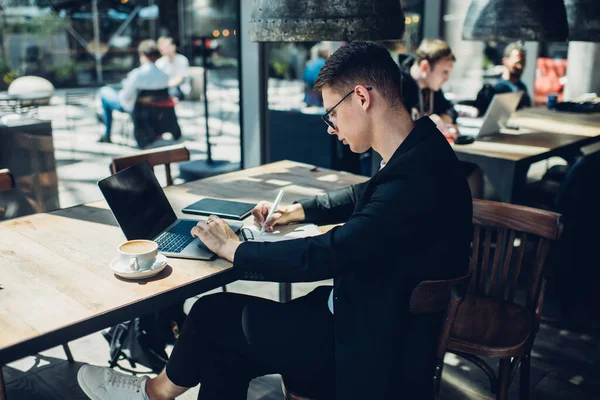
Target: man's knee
x=207, y=305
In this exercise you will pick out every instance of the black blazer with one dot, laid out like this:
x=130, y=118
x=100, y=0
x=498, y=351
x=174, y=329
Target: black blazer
x=410, y=222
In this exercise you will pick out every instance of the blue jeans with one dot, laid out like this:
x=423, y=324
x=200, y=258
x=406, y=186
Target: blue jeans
x=110, y=101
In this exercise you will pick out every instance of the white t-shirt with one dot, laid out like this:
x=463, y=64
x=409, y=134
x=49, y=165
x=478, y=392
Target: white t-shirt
x=178, y=67
x=145, y=77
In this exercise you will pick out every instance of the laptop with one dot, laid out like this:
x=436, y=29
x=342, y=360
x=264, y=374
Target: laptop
x=502, y=106
x=143, y=212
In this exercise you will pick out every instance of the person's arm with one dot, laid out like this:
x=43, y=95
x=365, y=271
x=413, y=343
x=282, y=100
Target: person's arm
x=368, y=240
x=332, y=207
x=444, y=108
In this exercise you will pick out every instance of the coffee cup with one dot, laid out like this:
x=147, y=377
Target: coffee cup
x=138, y=255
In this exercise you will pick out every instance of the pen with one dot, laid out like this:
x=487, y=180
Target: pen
x=275, y=205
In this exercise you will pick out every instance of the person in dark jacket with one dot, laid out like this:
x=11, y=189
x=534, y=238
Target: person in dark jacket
x=422, y=80
x=410, y=222
x=514, y=62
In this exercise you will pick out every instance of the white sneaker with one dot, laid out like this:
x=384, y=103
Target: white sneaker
x=101, y=383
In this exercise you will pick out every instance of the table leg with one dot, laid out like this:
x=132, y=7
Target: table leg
x=285, y=292
x=2, y=387
x=68, y=353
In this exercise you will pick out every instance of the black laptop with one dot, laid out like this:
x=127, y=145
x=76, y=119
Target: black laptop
x=143, y=212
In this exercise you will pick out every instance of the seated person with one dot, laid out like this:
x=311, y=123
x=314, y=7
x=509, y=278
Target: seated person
x=311, y=72
x=514, y=62
x=357, y=339
x=146, y=77
x=422, y=80
x=176, y=66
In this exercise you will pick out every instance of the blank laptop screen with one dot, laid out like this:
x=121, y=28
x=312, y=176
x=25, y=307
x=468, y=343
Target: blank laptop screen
x=138, y=202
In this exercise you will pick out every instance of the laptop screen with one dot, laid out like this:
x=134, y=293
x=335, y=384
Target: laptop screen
x=138, y=202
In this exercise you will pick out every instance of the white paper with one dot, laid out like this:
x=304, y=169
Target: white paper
x=285, y=232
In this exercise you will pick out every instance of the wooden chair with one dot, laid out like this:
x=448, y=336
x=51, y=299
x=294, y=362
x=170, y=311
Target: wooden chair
x=7, y=180
x=161, y=156
x=429, y=297
x=489, y=323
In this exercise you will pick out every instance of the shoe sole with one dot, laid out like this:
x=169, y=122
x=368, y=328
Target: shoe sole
x=83, y=386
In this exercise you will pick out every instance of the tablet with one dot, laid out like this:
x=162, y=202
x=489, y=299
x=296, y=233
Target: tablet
x=220, y=208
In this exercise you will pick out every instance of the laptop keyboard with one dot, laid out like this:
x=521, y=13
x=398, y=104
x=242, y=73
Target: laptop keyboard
x=177, y=238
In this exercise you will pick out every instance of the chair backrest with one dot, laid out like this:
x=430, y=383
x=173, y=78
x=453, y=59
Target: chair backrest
x=434, y=297
x=7, y=180
x=154, y=95
x=161, y=156
x=501, y=233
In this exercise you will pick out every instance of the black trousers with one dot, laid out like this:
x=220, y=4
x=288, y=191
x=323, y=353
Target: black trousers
x=229, y=339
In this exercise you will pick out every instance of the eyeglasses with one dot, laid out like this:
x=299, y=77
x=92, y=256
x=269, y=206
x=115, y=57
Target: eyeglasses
x=325, y=117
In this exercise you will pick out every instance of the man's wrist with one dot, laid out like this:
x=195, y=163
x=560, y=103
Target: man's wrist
x=229, y=249
x=296, y=213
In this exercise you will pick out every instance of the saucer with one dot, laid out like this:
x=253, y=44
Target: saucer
x=120, y=270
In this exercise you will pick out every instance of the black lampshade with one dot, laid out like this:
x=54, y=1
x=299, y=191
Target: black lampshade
x=584, y=20
x=316, y=20
x=507, y=20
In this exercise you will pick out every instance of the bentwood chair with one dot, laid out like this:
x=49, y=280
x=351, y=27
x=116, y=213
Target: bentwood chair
x=489, y=322
x=160, y=156
x=429, y=297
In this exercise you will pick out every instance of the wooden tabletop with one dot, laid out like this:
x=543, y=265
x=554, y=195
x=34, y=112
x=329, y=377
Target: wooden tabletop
x=524, y=145
x=55, y=283
x=543, y=119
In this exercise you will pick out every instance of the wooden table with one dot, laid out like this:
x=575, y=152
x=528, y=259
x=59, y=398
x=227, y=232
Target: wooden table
x=506, y=157
x=543, y=119
x=55, y=283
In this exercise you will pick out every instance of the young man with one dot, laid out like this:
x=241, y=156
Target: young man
x=357, y=340
x=514, y=62
x=176, y=66
x=146, y=77
x=422, y=80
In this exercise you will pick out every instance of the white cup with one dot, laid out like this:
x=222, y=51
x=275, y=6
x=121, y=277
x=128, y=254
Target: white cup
x=138, y=255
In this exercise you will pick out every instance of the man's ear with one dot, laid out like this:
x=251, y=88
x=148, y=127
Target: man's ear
x=363, y=95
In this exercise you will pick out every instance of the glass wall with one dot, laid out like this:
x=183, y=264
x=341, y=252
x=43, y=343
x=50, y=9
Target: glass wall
x=80, y=46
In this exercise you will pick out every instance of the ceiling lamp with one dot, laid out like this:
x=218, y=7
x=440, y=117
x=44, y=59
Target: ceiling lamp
x=584, y=20
x=507, y=20
x=316, y=20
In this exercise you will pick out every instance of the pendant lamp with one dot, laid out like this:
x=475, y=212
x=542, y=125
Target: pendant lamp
x=316, y=20
x=508, y=20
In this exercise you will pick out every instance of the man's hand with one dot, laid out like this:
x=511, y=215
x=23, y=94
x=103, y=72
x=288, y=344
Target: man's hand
x=217, y=236
x=281, y=216
x=448, y=129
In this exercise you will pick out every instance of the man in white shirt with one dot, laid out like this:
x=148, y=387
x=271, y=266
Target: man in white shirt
x=176, y=66
x=146, y=77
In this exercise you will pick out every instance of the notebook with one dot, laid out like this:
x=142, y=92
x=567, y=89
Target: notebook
x=220, y=208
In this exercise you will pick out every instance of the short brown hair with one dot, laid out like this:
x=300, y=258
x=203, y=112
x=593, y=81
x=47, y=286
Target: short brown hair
x=362, y=63
x=434, y=50
x=148, y=48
